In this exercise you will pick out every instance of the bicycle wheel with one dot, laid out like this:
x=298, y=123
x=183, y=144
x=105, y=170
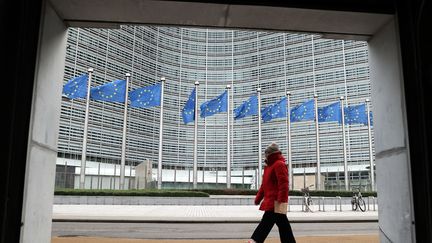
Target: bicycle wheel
x=354, y=204
x=362, y=204
x=306, y=205
x=309, y=201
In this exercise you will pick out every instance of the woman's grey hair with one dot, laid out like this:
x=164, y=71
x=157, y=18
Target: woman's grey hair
x=272, y=148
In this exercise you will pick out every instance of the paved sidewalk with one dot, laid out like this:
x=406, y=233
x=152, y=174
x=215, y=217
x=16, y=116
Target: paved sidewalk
x=196, y=214
x=304, y=239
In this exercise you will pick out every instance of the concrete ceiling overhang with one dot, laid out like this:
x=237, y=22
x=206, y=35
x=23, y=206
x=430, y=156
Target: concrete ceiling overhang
x=112, y=13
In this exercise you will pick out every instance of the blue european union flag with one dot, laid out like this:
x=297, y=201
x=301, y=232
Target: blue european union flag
x=111, y=92
x=76, y=87
x=371, y=118
x=188, y=112
x=248, y=108
x=330, y=113
x=356, y=114
x=303, y=112
x=146, y=96
x=276, y=110
x=211, y=107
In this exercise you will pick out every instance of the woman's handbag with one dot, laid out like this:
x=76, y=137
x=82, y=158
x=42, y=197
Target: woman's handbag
x=281, y=208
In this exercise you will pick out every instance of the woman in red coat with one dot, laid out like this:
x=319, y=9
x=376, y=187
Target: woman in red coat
x=274, y=191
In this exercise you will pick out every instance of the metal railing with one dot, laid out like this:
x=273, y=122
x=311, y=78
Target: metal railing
x=329, y=201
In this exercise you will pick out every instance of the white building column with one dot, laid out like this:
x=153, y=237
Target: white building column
x=393, y=171
x=44, y=129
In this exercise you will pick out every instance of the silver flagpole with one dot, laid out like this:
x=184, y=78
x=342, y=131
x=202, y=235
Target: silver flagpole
x=371, y=170
x=123, y=153
x=259, y=140
x=159, y=175
x=84, y=148
x=228, y=172
x=195, y=152
x=318, y=171
x=344, y=143
x=291, y=181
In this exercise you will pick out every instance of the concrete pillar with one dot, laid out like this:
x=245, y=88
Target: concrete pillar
x=143, y=174
x=392, y=161
x=43, y=133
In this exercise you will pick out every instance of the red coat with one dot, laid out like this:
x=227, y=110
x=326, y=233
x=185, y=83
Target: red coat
x=274, y=185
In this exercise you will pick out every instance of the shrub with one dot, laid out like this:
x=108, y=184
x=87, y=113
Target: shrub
x=195, y=193
x=147, y=193
x=227, y=191
x=291, y=192
x=331, y=193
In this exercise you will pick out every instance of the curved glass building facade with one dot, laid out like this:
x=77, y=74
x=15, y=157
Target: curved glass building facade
x=303, y=64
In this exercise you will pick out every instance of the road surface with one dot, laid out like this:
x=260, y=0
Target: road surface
x=203, y=230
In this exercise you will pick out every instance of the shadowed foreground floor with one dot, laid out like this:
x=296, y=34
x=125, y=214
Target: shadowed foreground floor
x=301, y=239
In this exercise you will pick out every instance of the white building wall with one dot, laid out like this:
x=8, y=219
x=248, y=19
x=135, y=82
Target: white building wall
x=303, y=64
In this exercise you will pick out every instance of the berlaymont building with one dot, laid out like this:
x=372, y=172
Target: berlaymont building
x=303, y=64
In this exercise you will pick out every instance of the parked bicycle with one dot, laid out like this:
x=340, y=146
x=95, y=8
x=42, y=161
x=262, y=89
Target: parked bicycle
x=307, y=200
x=357, y=201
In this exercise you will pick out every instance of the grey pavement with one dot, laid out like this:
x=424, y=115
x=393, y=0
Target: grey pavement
x=204, y=230
x=201, y=213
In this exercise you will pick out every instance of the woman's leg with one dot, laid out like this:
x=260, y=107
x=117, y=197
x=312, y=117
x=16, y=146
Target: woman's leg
x=285, y=232
x=264, y=227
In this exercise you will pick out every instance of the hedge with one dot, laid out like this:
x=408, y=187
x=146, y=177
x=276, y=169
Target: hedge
x=331, y=193
x=195, y=193
x=227, y=191
x=291, y=192
x=146, y=193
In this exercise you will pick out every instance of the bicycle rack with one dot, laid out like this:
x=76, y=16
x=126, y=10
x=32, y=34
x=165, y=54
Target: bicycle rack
x=289, y=204
x=323, y=198
x=373, y=203
x=303, y=206
x=369, y=202
x=323, y=203
x=340, y=203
